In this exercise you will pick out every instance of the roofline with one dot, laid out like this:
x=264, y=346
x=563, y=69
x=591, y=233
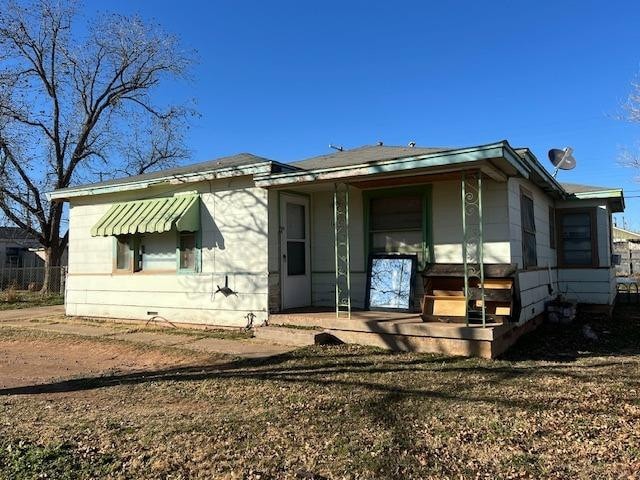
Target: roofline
x=448, y=157
x=127, y=185
x=544, y=174
x=626, y=231
x=608, y=194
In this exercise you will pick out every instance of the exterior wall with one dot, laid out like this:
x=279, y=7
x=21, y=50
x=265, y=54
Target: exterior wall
x=234, y=231
x=585, y=285
x=446, y=231
x=447, y=222
x=592, y=285
x=323, y=247
x=533, y=284
x=29, y=257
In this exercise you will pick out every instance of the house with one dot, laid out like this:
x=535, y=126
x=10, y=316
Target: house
x=453, y=250
x=22, y=260
x=17, y=248
x=626, y=244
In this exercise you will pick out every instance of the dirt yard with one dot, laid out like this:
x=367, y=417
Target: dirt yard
x=33, y=362
x=557, y=406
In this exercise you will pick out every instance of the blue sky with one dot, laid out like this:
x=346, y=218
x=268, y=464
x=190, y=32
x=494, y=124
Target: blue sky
x=283, y=79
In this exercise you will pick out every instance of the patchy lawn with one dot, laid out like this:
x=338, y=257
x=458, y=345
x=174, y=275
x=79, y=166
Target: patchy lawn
x=13, y=300
x=558, y=406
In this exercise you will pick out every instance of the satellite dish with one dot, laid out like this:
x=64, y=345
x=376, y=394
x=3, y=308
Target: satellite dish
x=562, y=159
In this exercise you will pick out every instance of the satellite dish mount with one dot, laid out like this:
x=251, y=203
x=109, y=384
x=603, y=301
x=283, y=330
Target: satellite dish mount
x=562, y=159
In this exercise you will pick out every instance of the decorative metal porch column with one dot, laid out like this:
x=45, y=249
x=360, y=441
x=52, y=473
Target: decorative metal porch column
x=341, y=230
x=473, y=243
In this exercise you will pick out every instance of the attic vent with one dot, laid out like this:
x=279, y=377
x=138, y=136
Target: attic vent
x=380, y=143
x=412, y=144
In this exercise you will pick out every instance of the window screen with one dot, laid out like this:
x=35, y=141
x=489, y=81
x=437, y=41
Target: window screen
x=529, y=254
x=395, y=224
x=396, y=213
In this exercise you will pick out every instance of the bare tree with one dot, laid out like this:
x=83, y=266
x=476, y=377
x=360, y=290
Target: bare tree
x=73, y=105
x=630, y=157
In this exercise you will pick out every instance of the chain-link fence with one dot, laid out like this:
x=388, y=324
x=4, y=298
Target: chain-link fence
x=33, y=279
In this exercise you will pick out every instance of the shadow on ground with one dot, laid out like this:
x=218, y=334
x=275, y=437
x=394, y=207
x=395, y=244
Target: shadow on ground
x=360, y=367
x=619, y=335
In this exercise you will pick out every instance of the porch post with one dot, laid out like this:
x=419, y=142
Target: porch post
x=481, y=250
x=473, y=241
x=341, y=248
x=464, y=248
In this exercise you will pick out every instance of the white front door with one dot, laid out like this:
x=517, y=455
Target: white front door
x=295, y=262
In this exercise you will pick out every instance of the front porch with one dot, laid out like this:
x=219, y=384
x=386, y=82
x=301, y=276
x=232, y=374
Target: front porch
x=329, y=233
x=408, y=331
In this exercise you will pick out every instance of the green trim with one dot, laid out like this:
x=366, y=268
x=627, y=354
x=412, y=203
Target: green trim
x=425, y=191
x=259, y=168
x=440, y=159
x=156, y=215
x=428, y=225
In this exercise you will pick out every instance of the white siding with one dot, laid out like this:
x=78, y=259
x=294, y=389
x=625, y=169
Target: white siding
x=234, y=224
x=585, y=285
x=447, y=222
x=446, y=232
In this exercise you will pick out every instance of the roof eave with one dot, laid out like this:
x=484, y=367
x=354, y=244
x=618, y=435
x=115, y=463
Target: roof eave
x=438, y=159
x=125, y=186
x=615, y=197
x=546, y=177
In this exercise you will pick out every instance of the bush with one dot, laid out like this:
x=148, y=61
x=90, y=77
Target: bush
x=11, y=295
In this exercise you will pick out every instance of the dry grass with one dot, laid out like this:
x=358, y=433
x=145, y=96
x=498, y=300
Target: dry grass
x=558, y=407
x=12, y=299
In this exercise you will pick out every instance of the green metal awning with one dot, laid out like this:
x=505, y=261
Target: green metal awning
x=150, y=216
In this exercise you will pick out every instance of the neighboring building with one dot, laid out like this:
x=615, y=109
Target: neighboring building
x=244, y=239
x=626, y=244
x=18, y=249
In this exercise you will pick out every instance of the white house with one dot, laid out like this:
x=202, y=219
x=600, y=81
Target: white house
x=485, y=234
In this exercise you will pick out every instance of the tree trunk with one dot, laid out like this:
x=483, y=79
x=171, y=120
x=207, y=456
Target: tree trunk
x=52, y=271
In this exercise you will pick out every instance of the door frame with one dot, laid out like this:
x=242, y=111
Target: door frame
x=304, y=199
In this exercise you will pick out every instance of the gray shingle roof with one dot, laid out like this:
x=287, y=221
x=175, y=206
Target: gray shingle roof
x=365, y=154
x=239, y=160
x=578, y=188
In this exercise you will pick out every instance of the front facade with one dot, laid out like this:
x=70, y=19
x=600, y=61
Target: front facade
x=242, y=240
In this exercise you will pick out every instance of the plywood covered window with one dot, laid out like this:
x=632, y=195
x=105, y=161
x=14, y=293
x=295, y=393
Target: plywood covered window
x=578, y=243
x=529, y=252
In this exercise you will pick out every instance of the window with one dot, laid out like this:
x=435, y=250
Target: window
x=157, y=252
x=13, y=257
x=396, y=223
x=296, y=239
x=529, y=254
x=577, y=238
x=123, y=253
x=187, y=251
x=552, y=227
